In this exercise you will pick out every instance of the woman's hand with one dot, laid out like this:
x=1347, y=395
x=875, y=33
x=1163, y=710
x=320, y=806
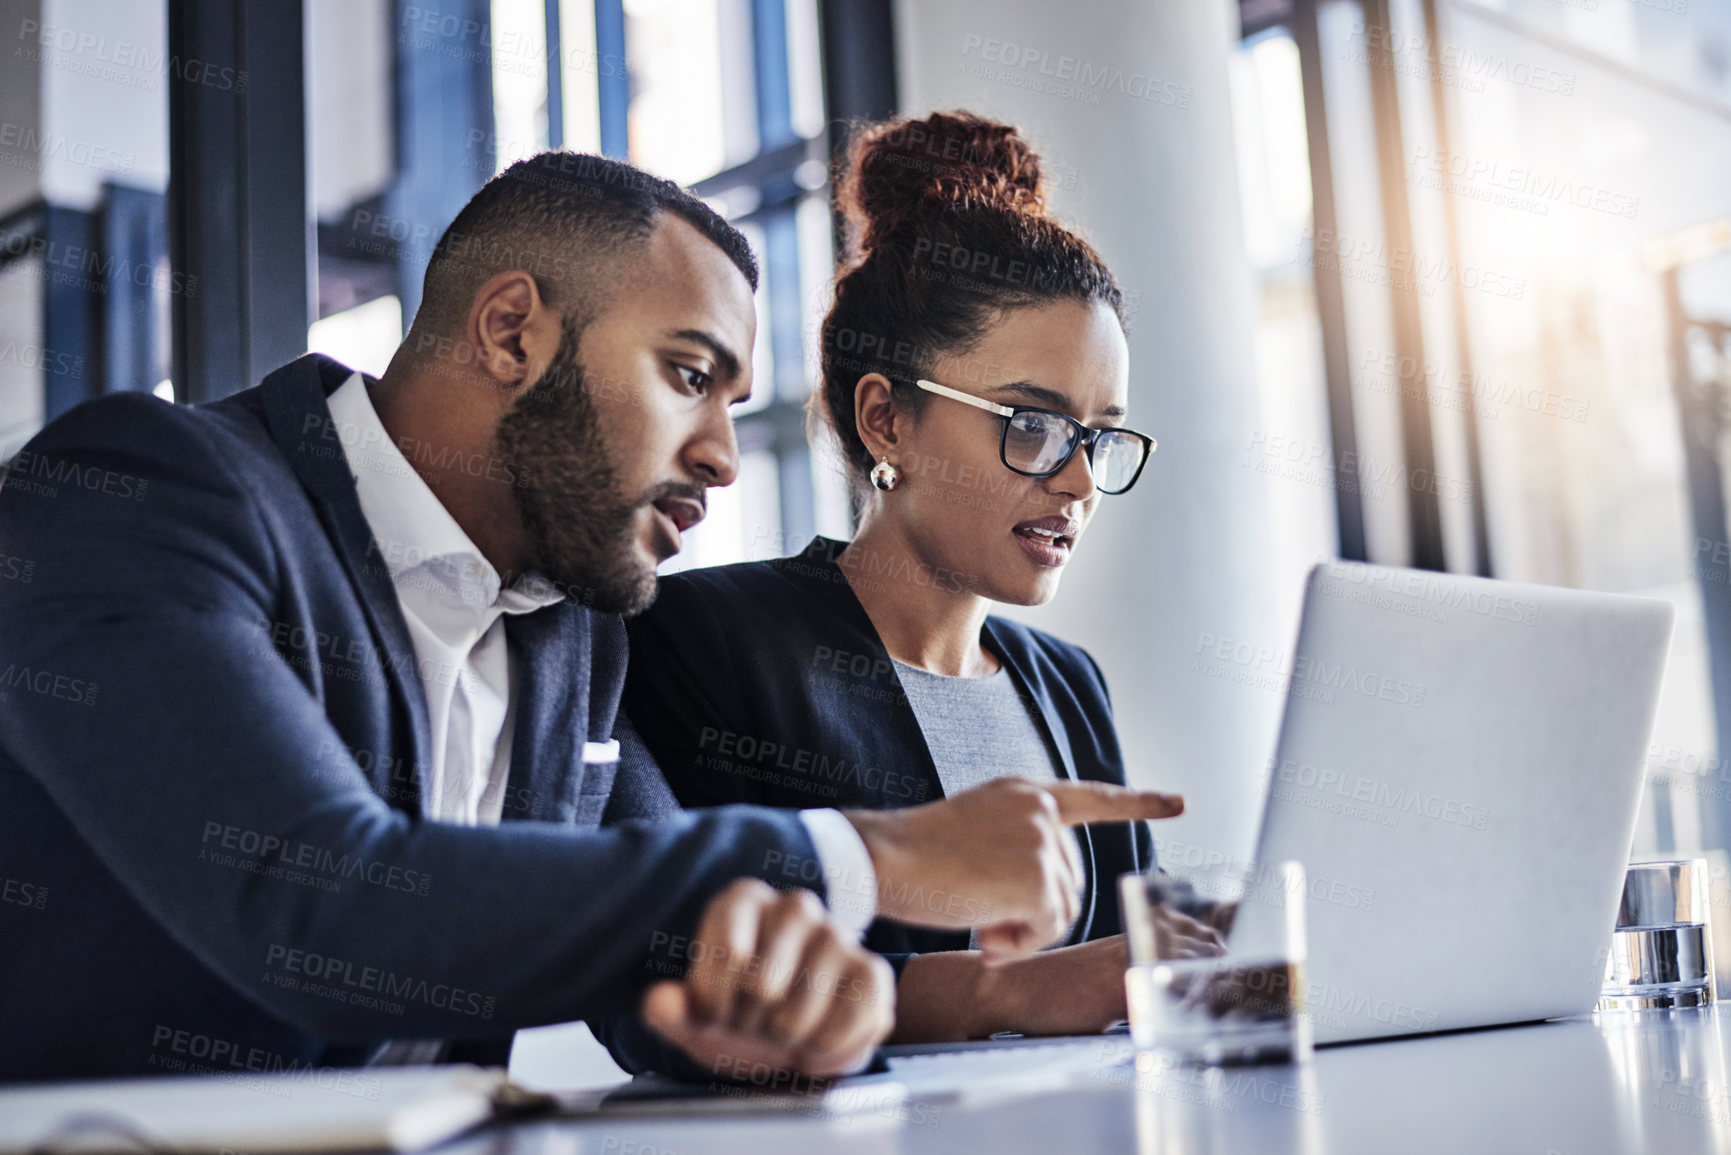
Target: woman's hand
x=951, y=995
x=1074, y=990
x=1179, y=936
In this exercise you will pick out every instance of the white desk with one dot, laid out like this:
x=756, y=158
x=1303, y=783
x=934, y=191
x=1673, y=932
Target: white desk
x=1654, y=1083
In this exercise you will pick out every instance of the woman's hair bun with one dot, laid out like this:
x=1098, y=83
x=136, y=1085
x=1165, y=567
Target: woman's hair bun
x=947, y=228
x=902, y=170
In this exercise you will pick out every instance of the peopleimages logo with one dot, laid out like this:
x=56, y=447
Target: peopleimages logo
x=1154, y=1073
x=1425, y=588
x=47, y=683
x=316, y=973
x=1370, y=259
x=124, y=62
x=1263, y=882
x=1336, y=792
x=1415, y=55
x=189, y=1052
x=264, y=851
x=1072, y=76
x=1464, y=174
x=19, y=893
x=735, y=753
x=1262, y=665
x=1294, y=459
x=1453, y=388
x=44, y=475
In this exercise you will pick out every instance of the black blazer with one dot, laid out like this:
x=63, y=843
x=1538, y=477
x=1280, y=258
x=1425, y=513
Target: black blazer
x=765, y=682
x=212, y=734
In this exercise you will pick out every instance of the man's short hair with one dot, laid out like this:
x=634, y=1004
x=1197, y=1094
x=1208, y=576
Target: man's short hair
x=560, y=216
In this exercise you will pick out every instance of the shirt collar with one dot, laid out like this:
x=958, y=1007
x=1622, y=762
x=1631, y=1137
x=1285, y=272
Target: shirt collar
x=411, y=526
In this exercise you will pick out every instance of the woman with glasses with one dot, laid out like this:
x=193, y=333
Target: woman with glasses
x=975, y=376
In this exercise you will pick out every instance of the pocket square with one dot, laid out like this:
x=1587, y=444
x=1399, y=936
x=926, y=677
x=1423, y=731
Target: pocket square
x=596, y=753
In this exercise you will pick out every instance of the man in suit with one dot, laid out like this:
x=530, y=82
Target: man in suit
x=309, y=707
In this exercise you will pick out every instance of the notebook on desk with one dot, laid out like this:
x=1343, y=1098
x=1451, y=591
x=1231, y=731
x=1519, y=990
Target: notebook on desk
x=913, y=1084
x=411, y=1108
x=315, y=1109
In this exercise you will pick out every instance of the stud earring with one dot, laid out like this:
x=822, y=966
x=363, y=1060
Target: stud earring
x=884, y=475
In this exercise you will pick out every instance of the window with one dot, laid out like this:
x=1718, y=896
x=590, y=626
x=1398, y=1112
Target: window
x=1567, y=166
x=726, y=96
x=84, y=282
x=1556, y=160
x=1290, y=445
x=722, y=96
x=351, y=139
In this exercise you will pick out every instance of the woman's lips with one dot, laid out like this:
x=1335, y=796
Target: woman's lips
x=1047, y=540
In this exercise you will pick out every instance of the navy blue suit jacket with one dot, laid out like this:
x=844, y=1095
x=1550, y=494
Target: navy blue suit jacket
x=212, y=729
x=766, y=683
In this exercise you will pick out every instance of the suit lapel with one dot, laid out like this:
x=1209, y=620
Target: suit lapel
x=554, y=647
x=823, y=575
x=298, y=418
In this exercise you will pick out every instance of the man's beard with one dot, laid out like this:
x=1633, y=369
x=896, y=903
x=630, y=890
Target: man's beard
x=568, y=492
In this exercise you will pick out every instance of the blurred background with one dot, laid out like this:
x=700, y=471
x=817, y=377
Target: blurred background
x=1440, y=283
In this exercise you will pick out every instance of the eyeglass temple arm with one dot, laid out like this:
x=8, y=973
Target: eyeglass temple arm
x=992, y=406
x=966, y=398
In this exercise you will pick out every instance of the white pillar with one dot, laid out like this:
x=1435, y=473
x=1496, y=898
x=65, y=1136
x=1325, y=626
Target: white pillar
x=1127, y=101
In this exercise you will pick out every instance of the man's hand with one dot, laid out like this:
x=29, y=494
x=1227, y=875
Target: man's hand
x=773, y=982
x=999, y=856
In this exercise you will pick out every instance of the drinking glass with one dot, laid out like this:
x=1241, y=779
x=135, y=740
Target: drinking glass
x=1216, y=972
x=1661, y=949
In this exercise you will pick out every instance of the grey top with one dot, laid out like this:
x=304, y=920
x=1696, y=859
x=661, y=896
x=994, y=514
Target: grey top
x=978, y=729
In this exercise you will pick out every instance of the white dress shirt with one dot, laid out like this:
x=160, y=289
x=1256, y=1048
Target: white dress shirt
x=452, y=600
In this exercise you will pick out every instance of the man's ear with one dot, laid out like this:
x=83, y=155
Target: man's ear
x=512, y=329
x=882, y=426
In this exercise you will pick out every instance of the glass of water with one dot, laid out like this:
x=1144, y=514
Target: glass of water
x=1662, y=948
x=1217, y=965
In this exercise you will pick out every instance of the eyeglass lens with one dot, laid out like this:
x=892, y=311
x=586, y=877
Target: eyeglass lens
x=1036, y=442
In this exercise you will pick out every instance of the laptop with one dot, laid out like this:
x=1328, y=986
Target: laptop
x=1458, y=771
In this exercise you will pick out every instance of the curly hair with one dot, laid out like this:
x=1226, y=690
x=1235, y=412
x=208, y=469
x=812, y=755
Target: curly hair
x=946, y=228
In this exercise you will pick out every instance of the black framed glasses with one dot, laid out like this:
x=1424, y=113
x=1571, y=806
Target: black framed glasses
x=1040, y=442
